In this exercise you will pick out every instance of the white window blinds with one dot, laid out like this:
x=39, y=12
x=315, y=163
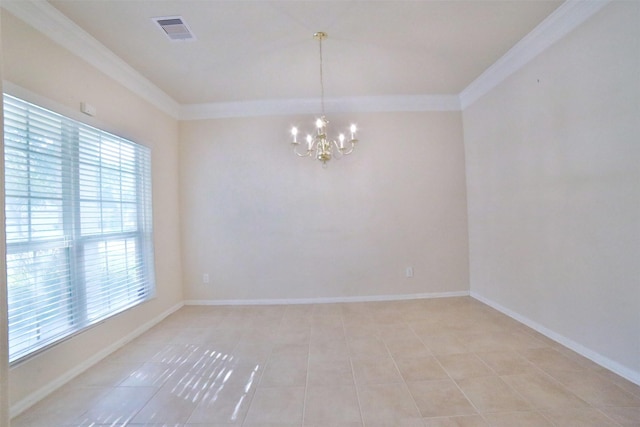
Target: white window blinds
x=78, y=225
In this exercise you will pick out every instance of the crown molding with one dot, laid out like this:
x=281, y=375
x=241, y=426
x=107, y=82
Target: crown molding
x=55, y=25
x=561, y=22
x=363, y=104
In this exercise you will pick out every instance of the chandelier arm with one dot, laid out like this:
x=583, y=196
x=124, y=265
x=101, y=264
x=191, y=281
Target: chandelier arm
x=347, y=152
x=307, y=154
x=339, y=151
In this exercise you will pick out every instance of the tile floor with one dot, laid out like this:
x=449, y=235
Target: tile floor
x=427, y=363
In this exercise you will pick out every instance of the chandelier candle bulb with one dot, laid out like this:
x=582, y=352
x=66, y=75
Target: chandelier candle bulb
x=294, y=132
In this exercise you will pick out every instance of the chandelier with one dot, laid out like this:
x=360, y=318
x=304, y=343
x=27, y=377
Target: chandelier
x=320, y=145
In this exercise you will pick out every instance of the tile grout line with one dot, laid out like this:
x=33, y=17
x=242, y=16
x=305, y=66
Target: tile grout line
x=353, y=371
x=250, y=402
x=455, y=383
x=306, y=383
x=565, y=388
x=404, y=381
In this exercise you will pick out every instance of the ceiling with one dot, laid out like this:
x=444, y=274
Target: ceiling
x=264, y=50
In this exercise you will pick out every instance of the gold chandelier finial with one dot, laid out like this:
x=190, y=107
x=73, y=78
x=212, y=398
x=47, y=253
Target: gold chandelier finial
x=320, y=144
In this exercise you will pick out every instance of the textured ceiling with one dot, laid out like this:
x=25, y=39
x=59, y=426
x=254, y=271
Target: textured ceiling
x=264, y=50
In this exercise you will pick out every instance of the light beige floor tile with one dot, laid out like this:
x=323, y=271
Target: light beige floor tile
x=440, y=398
x=387, y=404
x=543, y=392
x=187, y=425
x=507, y=362
x=367, y=348
x=326, y=309
x=61, y=407
x=150, y=375
x=269, y=425
x=176, y=354
x=406, y=348
x=519, y=419
x=296, y=322
x=414, y=422
x=329, y=405
x=326, y=332
x=464, y=365
x=597, y=390
x=125, y=424
x=464, y=421
x=224, y=405
x=360, y=329
x=421, y=369
x=346, y=424
x=288, y=350
x=321, y=335
x=444, y=344
x=486, y=342
x=163, y=332
x=551, y=361
x=119, y=404
x=106, y=373
x=337, y=372
x=578, y=417
x=253, y=352
x=222, y=346
x=167, y=406
x=376, y=371
x=230, y=374
x=430, y=325
x=277, y=405
x=292, y=336
x=135, y=353
x=623, y=416
x=491, y=394
x=328, y=350
x=192, y=336
x=286, y=371
x=623, y=383
x=398, y=331
x=520, y=340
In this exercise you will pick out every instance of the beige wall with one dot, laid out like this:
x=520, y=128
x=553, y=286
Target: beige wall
x=553, y=181
x=62, y=80
x=265, y=224
x=4, y=347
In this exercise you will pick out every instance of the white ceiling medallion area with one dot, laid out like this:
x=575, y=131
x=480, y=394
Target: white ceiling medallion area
x=55, y=25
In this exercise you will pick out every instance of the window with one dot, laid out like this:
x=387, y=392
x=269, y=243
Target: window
x=78, y=225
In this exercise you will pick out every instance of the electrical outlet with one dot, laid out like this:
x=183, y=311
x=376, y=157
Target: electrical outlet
x=409, y=272
x=205, y=278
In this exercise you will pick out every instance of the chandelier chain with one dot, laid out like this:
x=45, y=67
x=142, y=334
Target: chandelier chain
x=321, y=76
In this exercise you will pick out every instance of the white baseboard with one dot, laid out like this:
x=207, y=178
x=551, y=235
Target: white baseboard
x=594, y=356
x=33, y=398
x=327, y=300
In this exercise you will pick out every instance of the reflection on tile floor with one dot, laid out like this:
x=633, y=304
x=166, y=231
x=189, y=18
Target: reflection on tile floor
x=417, y=363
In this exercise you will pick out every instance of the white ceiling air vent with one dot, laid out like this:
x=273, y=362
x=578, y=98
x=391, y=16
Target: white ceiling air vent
x=175, y=28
